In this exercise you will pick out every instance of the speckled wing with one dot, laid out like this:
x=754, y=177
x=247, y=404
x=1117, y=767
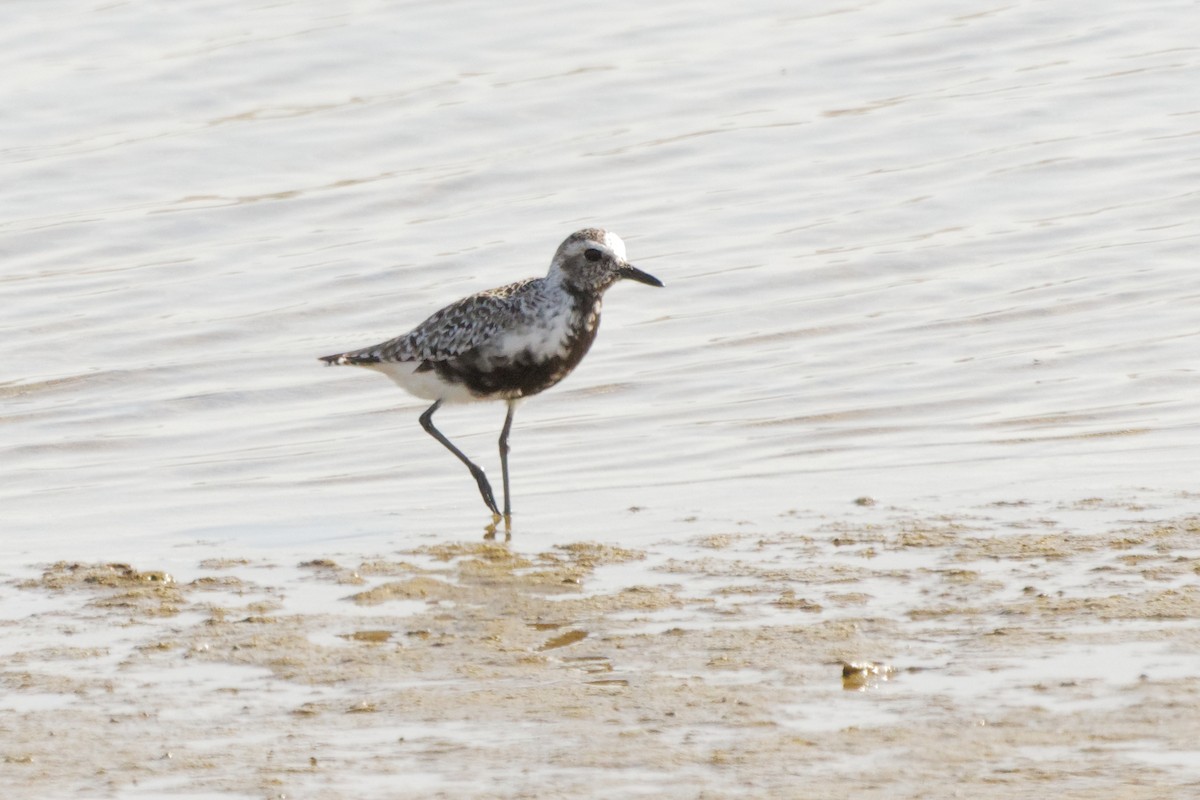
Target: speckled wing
x=452, y=331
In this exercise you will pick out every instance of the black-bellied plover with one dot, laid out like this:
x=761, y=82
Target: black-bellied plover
x=505, y=343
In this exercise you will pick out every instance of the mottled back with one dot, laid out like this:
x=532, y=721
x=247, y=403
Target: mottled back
x=456, y=329
x=541, y=317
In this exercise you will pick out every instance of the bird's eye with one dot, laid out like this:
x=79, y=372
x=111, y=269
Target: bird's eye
x=591, y=254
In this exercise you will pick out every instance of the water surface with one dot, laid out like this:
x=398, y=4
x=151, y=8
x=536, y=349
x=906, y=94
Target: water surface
x=937, y=255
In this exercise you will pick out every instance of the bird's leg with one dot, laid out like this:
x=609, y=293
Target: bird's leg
x=485, y=488
x=512, y=404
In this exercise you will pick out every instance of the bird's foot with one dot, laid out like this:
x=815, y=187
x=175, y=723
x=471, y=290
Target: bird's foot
x=490, y=528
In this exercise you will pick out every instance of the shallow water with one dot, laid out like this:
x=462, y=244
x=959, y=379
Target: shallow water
x=936, y=255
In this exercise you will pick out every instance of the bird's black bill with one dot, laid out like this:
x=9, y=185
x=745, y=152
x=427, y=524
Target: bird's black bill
x=635, y=274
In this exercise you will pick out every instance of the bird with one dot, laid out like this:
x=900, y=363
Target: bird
x=506, y=343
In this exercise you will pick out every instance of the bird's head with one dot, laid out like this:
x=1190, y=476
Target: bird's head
x=591, y=260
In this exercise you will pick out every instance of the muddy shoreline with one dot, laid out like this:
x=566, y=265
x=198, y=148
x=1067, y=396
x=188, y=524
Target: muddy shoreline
x=1001, y=666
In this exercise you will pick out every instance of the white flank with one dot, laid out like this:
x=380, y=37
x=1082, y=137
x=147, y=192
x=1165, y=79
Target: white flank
x=545, y=337
x=426, y=385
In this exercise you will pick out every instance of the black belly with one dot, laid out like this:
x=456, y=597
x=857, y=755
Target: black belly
x=521, y=376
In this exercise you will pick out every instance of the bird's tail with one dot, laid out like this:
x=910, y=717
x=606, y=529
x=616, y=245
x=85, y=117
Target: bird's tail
x=352, y=358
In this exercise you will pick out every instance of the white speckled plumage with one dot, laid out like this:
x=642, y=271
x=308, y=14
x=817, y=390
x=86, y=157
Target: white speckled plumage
x=506, y=343
x=537, y=322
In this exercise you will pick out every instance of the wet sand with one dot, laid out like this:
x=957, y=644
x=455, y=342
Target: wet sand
x=942, y=258
x=994, y=655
